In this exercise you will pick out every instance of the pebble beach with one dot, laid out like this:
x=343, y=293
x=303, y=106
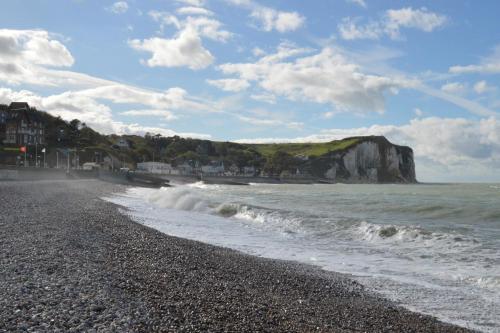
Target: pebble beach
x=72, y=262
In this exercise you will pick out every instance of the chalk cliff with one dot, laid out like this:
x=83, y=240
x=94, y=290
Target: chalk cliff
x=372, y=159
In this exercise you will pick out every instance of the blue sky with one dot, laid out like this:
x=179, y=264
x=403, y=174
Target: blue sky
x=422, y=73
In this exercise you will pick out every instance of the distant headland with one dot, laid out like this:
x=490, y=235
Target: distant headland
x=29, y=137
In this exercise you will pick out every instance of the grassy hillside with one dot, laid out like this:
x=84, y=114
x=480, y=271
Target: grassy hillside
x=306, y=149
x=91, y=145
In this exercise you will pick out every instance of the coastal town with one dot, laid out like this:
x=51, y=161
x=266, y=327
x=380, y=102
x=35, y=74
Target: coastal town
x=30, y=138
x=23, y=132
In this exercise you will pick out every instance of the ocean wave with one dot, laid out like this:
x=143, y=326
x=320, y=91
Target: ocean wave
x=178, y=198
x=202, y=185
x=410, y=234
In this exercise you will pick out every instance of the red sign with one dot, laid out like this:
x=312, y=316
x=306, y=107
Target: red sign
x=22, y=149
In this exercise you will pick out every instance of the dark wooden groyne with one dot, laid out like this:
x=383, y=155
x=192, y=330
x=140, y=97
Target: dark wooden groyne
x=117, y=177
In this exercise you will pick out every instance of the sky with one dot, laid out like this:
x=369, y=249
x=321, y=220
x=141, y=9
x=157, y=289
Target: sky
x=421, y=73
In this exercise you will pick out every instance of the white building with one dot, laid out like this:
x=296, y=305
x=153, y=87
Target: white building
x=123, y=143
x=185, y=169
x=91, y=166
x=157, y=167
x=249, y=171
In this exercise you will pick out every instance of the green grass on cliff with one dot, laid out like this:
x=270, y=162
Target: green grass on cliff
x=307, y=149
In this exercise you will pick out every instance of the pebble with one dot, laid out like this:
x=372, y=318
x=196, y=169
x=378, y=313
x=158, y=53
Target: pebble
x=70, y=262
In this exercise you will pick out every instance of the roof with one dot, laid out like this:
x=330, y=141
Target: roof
x=22, y=110
x=14, y=106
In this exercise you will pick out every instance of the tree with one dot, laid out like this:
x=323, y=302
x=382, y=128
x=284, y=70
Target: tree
x=75, y=124
x=279, y=162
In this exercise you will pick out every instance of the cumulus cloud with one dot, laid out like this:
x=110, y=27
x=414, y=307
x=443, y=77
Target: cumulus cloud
x=34, y=47
x=326, y=77
x=39, y=54
x=185, y=48
x=270, y=19
x=391, y=24
x=488, y=65
x=233, y=85
x=119, y=7
x=482, y=87
x=37, y=57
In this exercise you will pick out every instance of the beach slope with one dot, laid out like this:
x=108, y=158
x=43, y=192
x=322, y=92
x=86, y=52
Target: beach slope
x=72, y=262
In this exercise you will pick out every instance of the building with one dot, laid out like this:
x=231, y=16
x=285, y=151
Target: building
x=186, y=169
x=157, y=167
x=4, y=114
x=215, y=168
x=123, y=143
x=24, y=126
x=249, y=171
x=91, y=166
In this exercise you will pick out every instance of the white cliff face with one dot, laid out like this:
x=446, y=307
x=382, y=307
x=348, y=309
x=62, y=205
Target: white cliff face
x=372, y=162
x=363, y=161
x=393, y=160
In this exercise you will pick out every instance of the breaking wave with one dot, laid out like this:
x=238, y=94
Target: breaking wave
x=181, y=198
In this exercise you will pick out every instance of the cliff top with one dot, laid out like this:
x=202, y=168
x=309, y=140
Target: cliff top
x=318, y=148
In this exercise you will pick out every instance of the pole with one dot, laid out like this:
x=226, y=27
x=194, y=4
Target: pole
x=44, y=165
x=36, y=154
x=68, y=158
x=57, y=159
x=25, y=153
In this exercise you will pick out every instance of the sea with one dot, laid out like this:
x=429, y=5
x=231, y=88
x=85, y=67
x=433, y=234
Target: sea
x=432, y=248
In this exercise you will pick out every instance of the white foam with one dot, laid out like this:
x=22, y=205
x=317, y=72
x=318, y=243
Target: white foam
x=299, y=223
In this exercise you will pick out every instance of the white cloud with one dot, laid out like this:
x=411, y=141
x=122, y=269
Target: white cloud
x=266, y=98
x=454, y=88
x=418, y=112
x=488, y=65
x=460, y=149
x=234, y=85
x=197, y=3
x=482, y=87
x=184, y=50
x=258, y=52
x=466, y=104
x=360, y=3
x=84, y=106
x=270, y=19
x=165, y=114
x=208, y=27
x=194, y=11
x=90, y=100
x=391, y=23
x=33, y=56
x=35, y=47
x=119, y=7
x=326, y=77
x=271, y=122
